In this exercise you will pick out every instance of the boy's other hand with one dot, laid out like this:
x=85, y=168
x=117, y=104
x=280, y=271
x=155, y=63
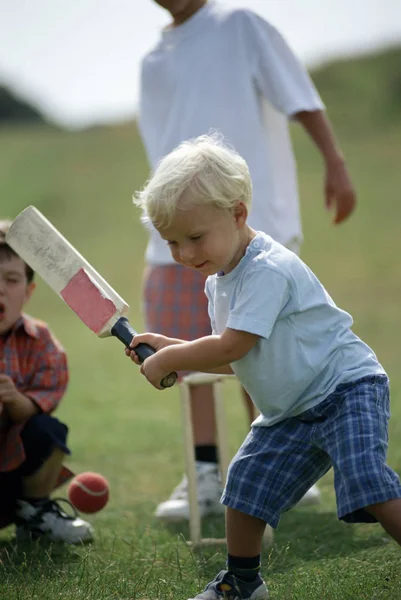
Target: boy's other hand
x=154, y=371
x=154, y=340
x=339, y=192
x=8, y=391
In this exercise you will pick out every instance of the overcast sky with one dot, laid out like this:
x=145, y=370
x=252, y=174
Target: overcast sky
x=79, y=60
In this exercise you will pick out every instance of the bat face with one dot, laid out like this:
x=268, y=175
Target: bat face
x=66, y=271
x=95, y=302
x=89, y=301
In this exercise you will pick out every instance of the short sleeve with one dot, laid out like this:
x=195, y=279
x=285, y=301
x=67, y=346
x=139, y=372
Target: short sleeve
x=263, y=295
x=210, y=305
x=278, y=73
x=50, y=379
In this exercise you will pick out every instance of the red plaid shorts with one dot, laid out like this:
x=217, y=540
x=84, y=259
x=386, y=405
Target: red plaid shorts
x=175, y=302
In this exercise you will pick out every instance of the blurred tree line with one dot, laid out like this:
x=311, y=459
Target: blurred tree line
x=359, y=92
x=362, y=91
x=15, y=109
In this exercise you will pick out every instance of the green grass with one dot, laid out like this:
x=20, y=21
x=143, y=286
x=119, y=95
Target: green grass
x=125, y=429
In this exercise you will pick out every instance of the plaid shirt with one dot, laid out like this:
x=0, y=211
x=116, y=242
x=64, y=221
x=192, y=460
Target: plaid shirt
x=37, y=364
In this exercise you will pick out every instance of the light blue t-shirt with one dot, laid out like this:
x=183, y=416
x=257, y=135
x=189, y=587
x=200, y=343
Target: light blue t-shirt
x=306, y=346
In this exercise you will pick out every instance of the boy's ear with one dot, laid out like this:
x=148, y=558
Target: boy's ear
x=30, y=288
x=240, y=213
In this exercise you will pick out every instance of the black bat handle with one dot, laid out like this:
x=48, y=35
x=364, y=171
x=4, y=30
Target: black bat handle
x=123, y=331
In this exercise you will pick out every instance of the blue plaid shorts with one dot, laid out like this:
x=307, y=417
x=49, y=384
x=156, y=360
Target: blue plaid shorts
x=276, y=466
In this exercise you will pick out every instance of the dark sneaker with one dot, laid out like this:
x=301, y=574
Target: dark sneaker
x=49, y=521
x=228, y=587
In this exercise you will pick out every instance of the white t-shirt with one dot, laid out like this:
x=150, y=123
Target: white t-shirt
x=227, y=69
x=306, y=346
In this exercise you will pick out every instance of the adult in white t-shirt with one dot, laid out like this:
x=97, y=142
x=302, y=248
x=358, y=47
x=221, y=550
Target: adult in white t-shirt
x=226, y=69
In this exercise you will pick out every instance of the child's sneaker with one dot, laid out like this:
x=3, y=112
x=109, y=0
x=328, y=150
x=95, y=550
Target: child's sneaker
x=228, y=587
x=49, y=521
x=209, y=488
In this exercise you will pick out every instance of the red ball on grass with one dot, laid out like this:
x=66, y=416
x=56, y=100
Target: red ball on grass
x=88, y=492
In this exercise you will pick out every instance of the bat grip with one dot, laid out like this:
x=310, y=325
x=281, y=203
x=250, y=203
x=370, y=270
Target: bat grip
x=123, y=331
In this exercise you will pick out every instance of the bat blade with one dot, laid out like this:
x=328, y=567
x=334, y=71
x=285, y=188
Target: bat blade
x=66, y=271
x=70, y=275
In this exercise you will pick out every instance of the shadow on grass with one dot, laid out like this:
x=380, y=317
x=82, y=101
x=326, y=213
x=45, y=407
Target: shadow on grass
x=211, y=527
x=303, y=535
x=312, y=536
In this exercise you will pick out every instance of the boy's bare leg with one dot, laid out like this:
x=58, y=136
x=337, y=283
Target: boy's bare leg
x=42, y=483
x=389, y=516
x=244, y=533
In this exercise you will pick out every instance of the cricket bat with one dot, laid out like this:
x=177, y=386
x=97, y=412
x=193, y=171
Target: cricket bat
x=67, y=272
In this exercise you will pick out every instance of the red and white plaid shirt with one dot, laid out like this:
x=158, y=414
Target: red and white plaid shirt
x=37, y=364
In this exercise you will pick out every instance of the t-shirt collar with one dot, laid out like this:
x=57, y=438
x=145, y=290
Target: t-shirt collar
x=189, y=27
x=253, y=248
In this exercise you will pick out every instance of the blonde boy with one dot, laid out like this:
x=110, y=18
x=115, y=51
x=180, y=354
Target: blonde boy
x=219, y=66
x=322, y=395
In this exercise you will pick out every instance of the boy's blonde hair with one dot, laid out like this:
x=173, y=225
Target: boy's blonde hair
x=207, y=170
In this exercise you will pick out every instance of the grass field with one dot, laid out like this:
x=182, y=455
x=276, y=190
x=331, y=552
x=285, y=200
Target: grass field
x=123, y=428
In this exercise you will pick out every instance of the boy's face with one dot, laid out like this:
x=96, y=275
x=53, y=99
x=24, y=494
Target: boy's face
x=207, y=238
x=15, y=291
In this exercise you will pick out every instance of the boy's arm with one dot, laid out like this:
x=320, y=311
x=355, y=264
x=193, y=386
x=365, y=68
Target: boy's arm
x=339, y=192
x=211, y=352
x=224, y=370
x=47, y=384
x=208, y=354
x=18, y=406
x=50, y=380
x=157, y=342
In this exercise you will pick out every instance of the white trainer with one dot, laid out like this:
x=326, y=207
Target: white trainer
x=49, y=521
x=312, y=496
x=209, y=488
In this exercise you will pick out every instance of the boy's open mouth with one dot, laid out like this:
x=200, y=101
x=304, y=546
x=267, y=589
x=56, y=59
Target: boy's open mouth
x=2, y=311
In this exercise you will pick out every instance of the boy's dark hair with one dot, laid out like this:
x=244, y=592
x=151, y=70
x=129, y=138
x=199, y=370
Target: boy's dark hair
x=7, y=252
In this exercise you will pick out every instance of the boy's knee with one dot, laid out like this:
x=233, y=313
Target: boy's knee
x=40, y=436
x=41, y=423
x=44, y=428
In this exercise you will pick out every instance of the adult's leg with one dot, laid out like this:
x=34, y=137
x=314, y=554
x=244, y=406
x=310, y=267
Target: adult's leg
x=175, y=305
x=203, y=417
